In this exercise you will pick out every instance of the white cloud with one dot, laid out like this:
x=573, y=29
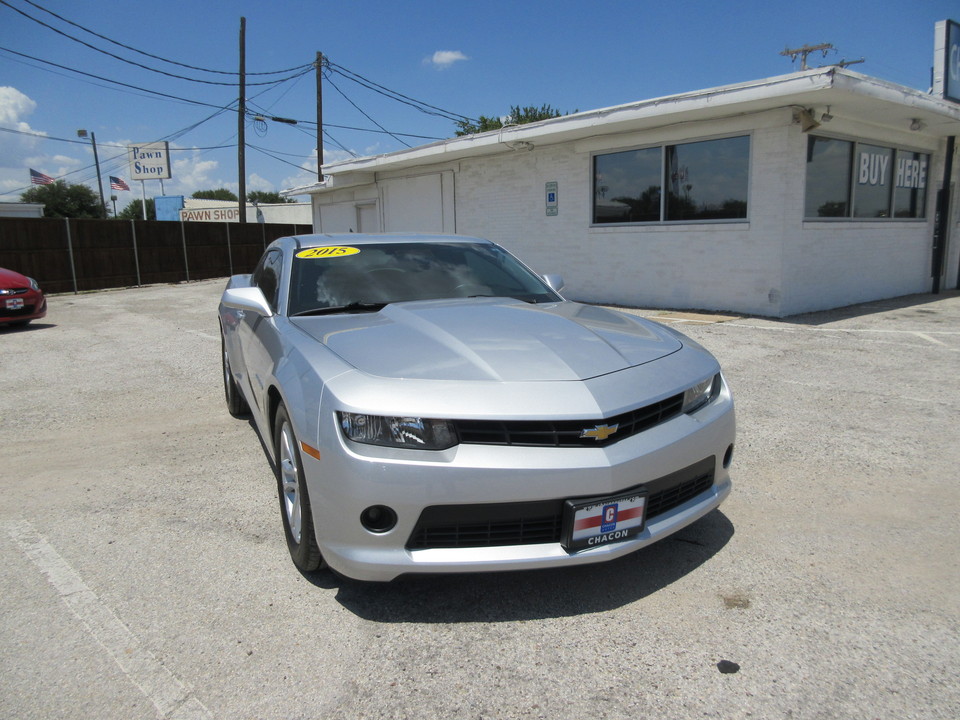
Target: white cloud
x=14, y=105
x=442, y=59
x=258, y=182
x=191, y=174
x=19, y=152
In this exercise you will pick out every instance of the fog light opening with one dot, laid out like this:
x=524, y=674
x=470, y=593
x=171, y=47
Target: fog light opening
x=378, y=519
x=728, y=457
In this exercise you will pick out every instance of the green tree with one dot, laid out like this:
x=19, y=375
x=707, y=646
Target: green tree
x=267, y=198
x=517, y=116
x=484, y=124
x=61, y=199
x=218, y=194
x=134, y=210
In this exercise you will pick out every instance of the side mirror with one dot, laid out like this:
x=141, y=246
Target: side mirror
x=247, y=298
x=554, y=281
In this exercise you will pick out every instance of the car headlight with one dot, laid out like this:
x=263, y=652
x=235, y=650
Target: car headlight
x=34, y=284
x=700, y=394
x=403, y=432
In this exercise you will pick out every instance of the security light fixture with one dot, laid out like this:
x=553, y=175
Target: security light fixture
x=805, y=118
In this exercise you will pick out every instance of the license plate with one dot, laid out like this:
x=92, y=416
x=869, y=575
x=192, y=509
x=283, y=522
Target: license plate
x=15, y=304
x=601, y=521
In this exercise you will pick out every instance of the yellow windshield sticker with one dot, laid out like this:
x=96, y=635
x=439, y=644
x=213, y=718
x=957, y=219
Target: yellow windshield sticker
x=333, y=251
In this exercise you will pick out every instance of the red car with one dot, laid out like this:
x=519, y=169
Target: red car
x=21, y=299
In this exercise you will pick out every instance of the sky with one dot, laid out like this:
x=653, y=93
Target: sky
x=399, y=73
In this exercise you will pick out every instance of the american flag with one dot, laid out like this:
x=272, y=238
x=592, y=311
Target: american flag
x=38, y=178
x=118, y=184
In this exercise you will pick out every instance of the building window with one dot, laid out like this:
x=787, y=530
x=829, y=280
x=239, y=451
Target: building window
x=858, y=180
x=910, y=184
x=828, y=177
x=872, y=190
x=627, y=186
x=706, y=180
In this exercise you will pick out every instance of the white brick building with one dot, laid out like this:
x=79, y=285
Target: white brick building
x=802, y=192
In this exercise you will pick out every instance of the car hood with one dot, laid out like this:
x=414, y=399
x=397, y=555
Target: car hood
x=491, y=339
x=12, y=279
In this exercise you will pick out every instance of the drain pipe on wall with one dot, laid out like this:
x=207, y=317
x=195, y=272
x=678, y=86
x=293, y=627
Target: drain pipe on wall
x=941, y=224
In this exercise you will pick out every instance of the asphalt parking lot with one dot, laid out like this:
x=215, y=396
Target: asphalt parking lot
x=145, y=575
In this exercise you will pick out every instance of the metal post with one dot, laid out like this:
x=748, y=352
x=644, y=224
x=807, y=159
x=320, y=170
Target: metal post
x=183, y=238
x=241, y=119
x=73, y=269
x=136, y=256
x=229, y=251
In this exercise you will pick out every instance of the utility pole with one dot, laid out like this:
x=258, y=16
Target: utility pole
x=96, y=161
x=804, y=51
x=241, y=117
x=319, y=117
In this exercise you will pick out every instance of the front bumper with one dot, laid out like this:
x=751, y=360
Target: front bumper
x=22, y=307
x=351, y=477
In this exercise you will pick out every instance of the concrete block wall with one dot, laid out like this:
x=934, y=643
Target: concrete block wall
x=503, y=198
x=711, y=266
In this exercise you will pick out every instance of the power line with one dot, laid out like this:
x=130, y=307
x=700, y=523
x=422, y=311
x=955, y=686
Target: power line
x=288, y=154
x=115, y=163
x=307, y=66
x=114, y=82
x=394, y=95
x=313, y=123
x=41, y=136
x=141, y=65
x=340, y=145
x=327, y=70
x=270, y=153
x=357, y=107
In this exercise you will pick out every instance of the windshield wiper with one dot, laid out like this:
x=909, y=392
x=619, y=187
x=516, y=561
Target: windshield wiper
x=354, y=307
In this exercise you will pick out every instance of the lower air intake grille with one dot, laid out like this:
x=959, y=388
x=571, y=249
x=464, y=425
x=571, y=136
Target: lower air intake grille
x=530, y=523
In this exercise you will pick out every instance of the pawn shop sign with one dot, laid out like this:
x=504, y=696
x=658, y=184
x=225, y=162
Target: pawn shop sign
x=149, y=161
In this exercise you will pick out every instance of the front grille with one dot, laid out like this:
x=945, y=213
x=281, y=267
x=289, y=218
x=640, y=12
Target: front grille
x=566, y=433
x=530, y=523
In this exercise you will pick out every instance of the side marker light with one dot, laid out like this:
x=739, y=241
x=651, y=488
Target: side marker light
x=311, y=451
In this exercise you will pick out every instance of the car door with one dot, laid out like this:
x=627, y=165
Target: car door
x=256, y=333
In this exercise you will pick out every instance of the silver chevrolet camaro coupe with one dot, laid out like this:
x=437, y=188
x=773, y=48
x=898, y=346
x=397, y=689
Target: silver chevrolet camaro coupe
x=431, y=405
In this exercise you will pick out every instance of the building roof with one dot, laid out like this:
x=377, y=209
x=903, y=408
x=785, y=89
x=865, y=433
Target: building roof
x=861, y=97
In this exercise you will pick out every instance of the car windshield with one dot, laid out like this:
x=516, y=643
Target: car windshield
x=365, y=277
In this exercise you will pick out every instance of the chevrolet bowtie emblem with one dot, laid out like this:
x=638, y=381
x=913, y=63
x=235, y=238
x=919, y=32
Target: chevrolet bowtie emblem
x=600, y=432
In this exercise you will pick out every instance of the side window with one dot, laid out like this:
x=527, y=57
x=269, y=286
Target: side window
x=847, y=179
x=267, y=277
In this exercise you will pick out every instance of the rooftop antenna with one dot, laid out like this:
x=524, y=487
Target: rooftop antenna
x=806, y=50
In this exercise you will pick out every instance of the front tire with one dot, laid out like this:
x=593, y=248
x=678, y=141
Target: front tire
x=294, y=500
x=236, y=405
